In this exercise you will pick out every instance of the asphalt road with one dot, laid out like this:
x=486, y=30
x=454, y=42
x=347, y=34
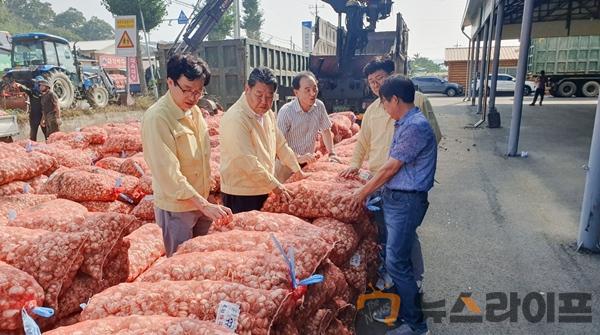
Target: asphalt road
x=498, y=224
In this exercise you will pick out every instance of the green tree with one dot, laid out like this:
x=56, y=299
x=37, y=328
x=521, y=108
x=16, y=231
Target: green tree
x=420, y=64
x=70, y=19
x=224, y=27
x=153, y=10
x=252, y=20
x=35, y=12
x=96, y=29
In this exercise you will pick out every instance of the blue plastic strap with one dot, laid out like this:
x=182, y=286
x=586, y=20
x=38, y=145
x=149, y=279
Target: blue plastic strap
x=119, y=182
x=126, y=198
x=29, y=325
x=314, y=279
x=371, y=204
x=292, y=267
x=28, y=147
x=44, y=312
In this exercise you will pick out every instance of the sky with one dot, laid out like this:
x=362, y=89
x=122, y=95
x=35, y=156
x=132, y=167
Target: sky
x=434, y=24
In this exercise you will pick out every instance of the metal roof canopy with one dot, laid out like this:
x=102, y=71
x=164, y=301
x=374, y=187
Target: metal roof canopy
x=551, y=18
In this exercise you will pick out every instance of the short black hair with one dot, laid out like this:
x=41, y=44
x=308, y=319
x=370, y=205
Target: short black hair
x=191, y=66
x=398, y=86
x=299, y=76
x=262, y=75
x=542, y=72
x=379, y=63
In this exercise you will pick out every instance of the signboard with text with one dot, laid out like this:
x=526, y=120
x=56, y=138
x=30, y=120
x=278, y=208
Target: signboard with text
x=125, y=35
x=307, y=36
x=132, y=71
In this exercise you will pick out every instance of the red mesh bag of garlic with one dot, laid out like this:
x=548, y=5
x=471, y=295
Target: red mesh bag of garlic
x=123, y=142
x=258, y=309
x=74, y=140
x=142, y=324
x=317, y=323
x=135, y=166
x=145, y=209
x=108, y=206
x=347, y=239
x=65, y=155
x=314, y=199
x=145, y=247
x=104, y=230
x=145, y=186
x=12, y=205
x=256, y=269
x=17, y=290
x=97, y=135
x=25, y=166
x=90, y=183
x=51, y=258
x=333, y=285
x=33, y=185
x=110, y=163
x=10, y=149
x=328, y=176
x=308, y=251
x=273, y=222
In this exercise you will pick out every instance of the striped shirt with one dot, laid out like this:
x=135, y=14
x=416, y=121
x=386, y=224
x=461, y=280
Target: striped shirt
x=301, y=128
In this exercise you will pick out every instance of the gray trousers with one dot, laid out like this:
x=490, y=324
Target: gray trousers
x=178, y=227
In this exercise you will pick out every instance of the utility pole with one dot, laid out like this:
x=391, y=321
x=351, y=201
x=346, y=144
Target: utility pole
x=154, y=83
x=236, y=29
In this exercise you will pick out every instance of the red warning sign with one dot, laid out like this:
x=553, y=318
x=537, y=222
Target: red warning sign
x=125, y=41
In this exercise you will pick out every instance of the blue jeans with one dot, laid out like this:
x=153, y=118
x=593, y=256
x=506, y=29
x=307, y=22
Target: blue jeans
x=416, y=254
x=403, y=213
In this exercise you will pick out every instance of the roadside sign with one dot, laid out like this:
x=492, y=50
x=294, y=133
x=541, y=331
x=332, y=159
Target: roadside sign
x=182, y=19
x=307, y=36
x=112, y=62
x=132, y=71
x=125, y=36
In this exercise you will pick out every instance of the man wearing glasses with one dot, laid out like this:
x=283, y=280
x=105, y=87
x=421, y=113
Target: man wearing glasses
x=177, y=150
x=250, y=142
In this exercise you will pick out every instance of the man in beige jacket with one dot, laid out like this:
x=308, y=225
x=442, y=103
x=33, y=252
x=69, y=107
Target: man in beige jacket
x=177, y=150
x=250, y=143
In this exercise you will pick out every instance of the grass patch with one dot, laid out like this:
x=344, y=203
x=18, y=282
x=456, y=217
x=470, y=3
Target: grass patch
x=141, y=103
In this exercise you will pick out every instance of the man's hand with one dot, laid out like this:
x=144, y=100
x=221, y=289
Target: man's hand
x=216, y=212
x=350, y=172
x=358, y=200
x=303, y=175
x=283, y=192
x=307, y=158
x=43, y=123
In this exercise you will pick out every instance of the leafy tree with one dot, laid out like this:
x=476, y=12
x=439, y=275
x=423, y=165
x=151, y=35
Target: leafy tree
x=35, y=12
x=419, y=64
x=224, y=27
x=153, y=10
x=96, y=29
x=252, y=19
x=70, y=19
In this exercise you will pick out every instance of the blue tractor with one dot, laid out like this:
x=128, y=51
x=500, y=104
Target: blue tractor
x=39, y=54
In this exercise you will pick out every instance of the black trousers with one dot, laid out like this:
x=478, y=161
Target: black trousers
x=538, y=92
x=35, y=118
x=243, y=203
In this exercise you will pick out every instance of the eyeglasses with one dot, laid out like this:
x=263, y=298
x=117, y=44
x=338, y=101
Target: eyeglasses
x=191, y=93
x=377, y=80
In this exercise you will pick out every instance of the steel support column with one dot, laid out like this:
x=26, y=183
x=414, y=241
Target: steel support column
x=475, y=66
x=524, y=41
x=494, y=116
x=469, y=72
x=484, y=65
x=589, y=223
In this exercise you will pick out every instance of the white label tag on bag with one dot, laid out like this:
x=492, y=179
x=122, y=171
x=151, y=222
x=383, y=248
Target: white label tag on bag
x=228, y=314
x=355, y=260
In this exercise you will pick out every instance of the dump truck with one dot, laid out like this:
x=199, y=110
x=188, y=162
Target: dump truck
x=572, y=64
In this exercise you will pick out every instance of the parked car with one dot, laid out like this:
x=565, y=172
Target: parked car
x=437, y=85
x=506, y=83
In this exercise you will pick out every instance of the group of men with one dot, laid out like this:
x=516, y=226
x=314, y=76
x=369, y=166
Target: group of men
x=260, y=149
x=44, y=108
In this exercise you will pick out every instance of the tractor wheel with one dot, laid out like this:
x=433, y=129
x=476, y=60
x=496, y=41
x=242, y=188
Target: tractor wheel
x=98, y=97
x=62, y=87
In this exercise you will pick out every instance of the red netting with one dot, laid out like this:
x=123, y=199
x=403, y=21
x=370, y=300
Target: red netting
x=145, y=247
x=140, y=325
x=17, y=290
x=200, y=299
x=256, y=269
x=51, y=258
x=314, y=199
x=347, y=239
x=25, y=166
